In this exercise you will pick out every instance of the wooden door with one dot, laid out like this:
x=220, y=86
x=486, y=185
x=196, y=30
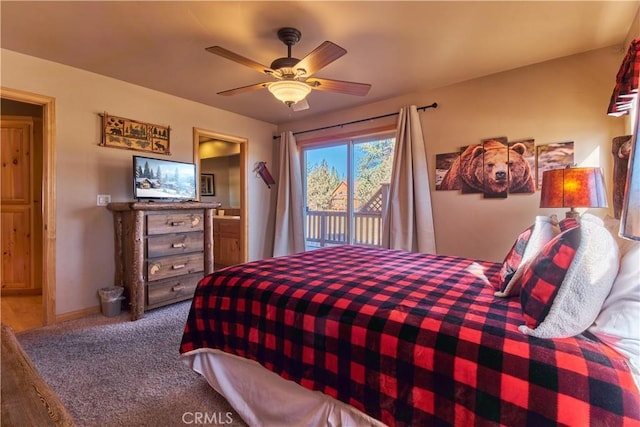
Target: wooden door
x=17, y=207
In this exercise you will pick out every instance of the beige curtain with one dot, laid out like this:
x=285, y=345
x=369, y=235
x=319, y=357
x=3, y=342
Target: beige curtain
x=407, y=221
x=289, y=233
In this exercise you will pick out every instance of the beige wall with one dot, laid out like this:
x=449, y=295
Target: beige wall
x=226, y=171
x=556, y=101
x=84, y=244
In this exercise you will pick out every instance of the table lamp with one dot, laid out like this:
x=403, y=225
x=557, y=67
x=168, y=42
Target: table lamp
x=573, y=188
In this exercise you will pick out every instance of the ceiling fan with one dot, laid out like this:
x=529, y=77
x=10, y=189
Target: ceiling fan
x=293, y=76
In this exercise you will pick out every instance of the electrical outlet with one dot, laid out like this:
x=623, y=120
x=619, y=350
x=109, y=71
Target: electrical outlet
x=104, y=199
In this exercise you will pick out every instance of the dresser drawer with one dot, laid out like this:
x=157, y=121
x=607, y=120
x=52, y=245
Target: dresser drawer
x=174, y=244
x=174, y=289
x=174, y=222
x=177, y=265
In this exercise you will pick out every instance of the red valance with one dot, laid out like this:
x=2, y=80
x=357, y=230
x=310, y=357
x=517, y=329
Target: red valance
x=626, y=82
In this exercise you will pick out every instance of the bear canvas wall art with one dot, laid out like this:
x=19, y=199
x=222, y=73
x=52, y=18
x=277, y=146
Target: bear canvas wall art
x=493, y=157
x=493, y=168
x=443, y=164
x=529, y=156
x=557, y=155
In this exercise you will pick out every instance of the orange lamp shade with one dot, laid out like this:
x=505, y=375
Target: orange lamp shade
x=573, y=188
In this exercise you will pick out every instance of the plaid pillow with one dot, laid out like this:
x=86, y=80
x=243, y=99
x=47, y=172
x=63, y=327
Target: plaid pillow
x=527, y=245
x=541, y=281
x=568, y=223
x=564, y=287
x=514, y=258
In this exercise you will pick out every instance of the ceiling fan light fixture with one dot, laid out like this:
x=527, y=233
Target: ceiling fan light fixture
x=289, y=91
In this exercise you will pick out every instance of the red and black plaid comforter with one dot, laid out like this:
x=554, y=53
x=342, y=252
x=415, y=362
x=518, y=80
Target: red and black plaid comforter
x=410, y=339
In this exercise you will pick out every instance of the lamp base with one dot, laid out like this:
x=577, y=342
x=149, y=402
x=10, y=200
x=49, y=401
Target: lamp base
x=572, y=213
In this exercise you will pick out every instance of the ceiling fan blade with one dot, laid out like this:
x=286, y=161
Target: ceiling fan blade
x=220, y=51
x=339, y=86
x=319, y=58
x=244, y=89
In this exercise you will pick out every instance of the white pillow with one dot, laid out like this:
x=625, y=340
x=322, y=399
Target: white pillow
x=539, y=234
x=545, y=229
x=618, y=324
x=584, y=288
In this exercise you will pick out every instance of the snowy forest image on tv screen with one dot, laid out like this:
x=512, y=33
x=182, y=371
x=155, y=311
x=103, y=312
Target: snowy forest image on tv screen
x=163, y=179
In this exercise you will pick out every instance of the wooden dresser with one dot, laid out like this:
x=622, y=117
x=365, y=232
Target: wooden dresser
x=162, y=251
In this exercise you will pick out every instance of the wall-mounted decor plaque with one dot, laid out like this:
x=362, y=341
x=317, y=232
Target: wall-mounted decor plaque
x=130, y=134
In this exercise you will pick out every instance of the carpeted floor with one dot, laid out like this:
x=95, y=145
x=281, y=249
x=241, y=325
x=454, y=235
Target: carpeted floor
x=109, y=371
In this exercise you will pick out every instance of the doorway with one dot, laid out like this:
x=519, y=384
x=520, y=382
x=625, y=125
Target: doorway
x=346, y=185
x=221, y=160
x=44, y=175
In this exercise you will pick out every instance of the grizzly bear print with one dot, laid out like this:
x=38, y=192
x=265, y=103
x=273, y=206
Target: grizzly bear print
x=452, y=179
x=491, y=168
x=520, y=175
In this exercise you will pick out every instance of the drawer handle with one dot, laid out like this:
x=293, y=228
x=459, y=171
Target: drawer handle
x=178, y=245
x=195, y=221
x=177, y=223
x=177, y=288
x=154, y=269
x=178, y=266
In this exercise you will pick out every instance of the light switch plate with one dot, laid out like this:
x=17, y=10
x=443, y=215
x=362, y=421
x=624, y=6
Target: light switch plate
x=103, y=199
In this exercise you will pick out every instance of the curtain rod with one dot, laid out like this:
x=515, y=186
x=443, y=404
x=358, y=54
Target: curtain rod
x=424, y=107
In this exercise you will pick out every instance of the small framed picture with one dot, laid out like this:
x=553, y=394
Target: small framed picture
x=207, y=184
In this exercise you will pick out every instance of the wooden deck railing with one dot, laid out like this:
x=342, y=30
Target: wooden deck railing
x=328, y=228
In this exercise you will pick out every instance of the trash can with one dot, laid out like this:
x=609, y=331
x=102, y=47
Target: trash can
x=111, y=300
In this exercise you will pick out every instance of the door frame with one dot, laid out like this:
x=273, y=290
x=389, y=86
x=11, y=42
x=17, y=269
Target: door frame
x=48, y=105
x=244, y=149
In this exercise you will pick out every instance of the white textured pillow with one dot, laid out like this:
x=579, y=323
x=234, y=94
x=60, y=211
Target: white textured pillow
x=585, y=286
x=543, y=230
x=618, y=324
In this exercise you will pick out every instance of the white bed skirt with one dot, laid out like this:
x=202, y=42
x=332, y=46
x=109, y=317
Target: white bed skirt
x=263, y=398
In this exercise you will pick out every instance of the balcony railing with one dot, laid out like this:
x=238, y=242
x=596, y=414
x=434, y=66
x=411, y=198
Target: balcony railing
x=329, y=228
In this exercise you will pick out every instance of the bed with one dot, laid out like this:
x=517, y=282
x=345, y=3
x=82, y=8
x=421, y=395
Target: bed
x=354, y=336
x=365, y=336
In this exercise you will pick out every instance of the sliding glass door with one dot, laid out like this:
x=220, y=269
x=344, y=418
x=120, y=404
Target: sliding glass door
x=346, y=184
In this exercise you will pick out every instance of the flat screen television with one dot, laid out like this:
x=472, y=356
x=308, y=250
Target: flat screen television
x=159, y=179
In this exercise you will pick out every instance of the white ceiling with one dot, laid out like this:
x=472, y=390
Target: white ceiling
x=397, y=47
